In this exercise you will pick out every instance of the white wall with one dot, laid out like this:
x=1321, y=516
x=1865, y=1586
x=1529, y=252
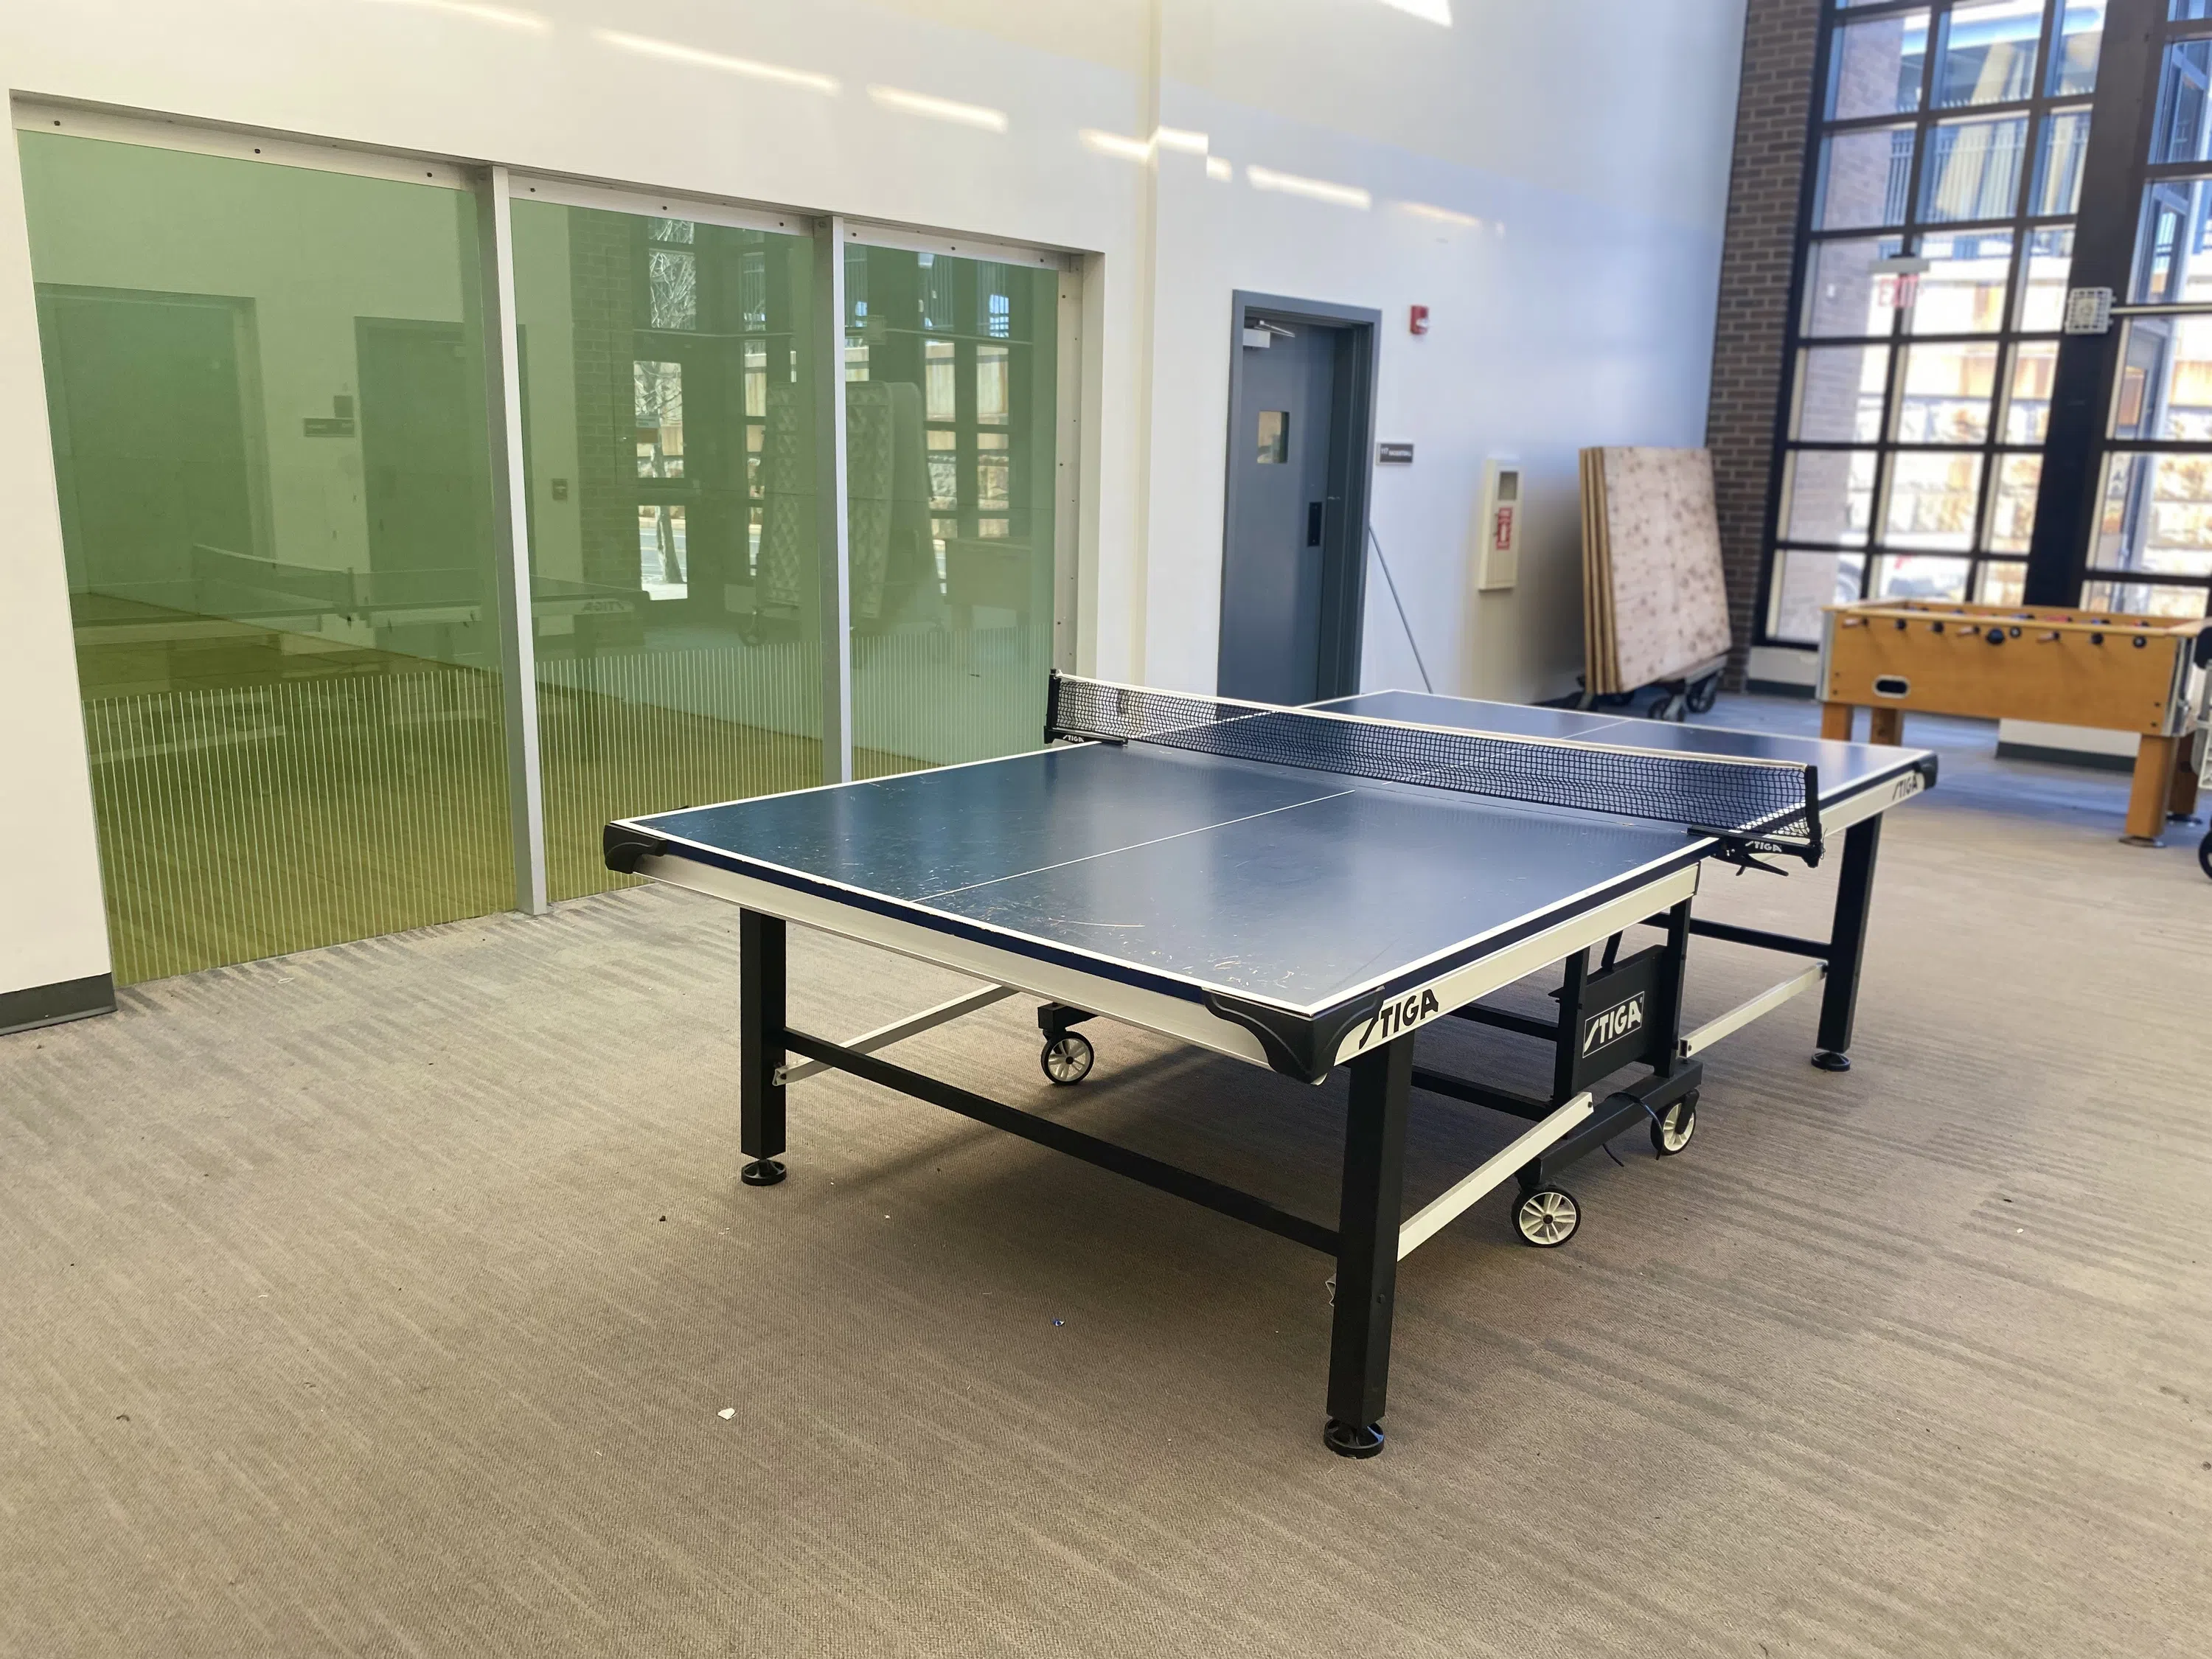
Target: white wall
x=1589, y=139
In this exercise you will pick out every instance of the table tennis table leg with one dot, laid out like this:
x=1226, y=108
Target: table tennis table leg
x=1839, y=998
x=760, y=1046
x=1367, y=1247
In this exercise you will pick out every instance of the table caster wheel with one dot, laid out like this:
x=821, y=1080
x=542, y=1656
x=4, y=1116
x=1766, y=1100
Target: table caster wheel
x=1067, y=1057
x=1704, y=693
x=1672, y=1129
x=2204, y=855
x=1547, y=1218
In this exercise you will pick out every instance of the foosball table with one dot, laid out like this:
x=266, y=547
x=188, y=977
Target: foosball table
x=2069, y=667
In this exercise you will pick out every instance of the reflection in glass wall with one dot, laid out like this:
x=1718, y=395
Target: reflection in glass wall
x=267, y=394
x=951, y=410
x=668, y=379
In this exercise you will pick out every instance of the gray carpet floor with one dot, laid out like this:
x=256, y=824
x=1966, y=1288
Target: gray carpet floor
x=389, y=1299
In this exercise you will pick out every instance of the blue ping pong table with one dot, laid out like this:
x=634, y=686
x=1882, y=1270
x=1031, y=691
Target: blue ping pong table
x=1305, y=889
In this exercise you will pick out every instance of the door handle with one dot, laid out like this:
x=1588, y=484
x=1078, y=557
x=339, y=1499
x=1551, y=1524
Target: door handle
x=1313, y=524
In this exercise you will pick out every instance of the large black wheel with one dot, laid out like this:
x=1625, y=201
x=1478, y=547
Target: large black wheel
x=1672, y=1129
x=1547, y=1218
x=2204, y=852
x=1068, y=1058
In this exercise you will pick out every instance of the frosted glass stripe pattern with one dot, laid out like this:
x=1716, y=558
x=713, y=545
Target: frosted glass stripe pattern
x=243, y=821
x=648, y=730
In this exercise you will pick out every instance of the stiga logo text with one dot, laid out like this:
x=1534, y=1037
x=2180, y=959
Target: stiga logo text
x=1610, y=1024
x=1408, y=1011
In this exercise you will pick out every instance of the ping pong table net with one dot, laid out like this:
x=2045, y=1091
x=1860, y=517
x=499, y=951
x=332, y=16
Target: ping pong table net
x=1749, y=805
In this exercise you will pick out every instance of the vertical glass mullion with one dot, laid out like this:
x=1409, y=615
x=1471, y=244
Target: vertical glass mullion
x=833, y=524
x=511, y=544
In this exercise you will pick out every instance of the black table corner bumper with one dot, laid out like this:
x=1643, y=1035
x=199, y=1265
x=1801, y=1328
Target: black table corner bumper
x=1303, y=1046
x=625, y=844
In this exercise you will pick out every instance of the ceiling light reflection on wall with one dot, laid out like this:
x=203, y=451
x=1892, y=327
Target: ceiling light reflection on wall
x=940, y=109
x=1219, y=170
x=1428, y=11
x=1190, y=143
x=506, y=17
x=1118, y=145
x=1315, y=189
x=1440, y=215
x=646, y=47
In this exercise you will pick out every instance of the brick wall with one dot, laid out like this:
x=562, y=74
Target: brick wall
x=1780, y=38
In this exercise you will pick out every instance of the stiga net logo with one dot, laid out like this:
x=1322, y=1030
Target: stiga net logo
x=1610, y=1024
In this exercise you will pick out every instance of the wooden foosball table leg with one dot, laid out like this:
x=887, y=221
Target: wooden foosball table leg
x=1836, y=721
x=1886, y=726
x=2152, y=788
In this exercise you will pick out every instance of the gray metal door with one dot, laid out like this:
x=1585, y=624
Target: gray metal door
x=1275, y=553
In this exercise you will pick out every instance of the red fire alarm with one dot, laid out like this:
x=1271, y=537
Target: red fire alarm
x=1419, y=321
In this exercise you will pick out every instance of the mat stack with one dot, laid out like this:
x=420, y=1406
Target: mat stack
x=1655, y=608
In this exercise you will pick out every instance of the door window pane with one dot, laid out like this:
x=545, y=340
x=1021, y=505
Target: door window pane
x=2043, y=279
x=1830, y=496
x=1974, y=169
x=1864, y=176
x=2012, y=504
x=1931, y=500
x=2165, y=389
x=2172, y=248
x=1945, y=393
x=2179, y=131
x=1839, y=393
x=1804, y=581
x=669, y=443
x=1911, y=576
x=2080, y=37
x=2027, y=399
x=2001, y=581
x=1989, y=52
x=1843, y=294
x=952, y=589
x=1275, y=436
x=1962, y=289
x=266, y=385
x=2157, y=515
x=2063, y=142
x=1876, y=66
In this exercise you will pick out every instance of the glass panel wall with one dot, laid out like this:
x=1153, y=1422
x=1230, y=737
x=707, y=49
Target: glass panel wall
x=668, y=374
x=951, y=414
x=267, y=394
x=1934, y=286
x=2150, y=549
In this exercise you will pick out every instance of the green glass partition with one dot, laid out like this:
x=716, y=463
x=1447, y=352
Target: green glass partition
x=669, y=379
x=267, y=394
x=951, y=420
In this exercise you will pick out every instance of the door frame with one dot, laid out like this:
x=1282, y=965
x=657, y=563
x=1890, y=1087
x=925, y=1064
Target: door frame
x=1351, y=473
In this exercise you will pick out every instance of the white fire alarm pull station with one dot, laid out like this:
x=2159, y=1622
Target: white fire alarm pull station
x=1500, y=525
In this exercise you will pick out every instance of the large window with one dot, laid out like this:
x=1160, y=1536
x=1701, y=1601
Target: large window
x=1948, y=174
x=2150, y=548
x=381, y=614
x=669, y=372
x=951, y=405
x=266, y=388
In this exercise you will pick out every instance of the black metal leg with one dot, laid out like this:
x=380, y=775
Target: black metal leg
x=1839, y=998
x=1367, y=1249
x=1664, y=1054
x=760, y=1046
